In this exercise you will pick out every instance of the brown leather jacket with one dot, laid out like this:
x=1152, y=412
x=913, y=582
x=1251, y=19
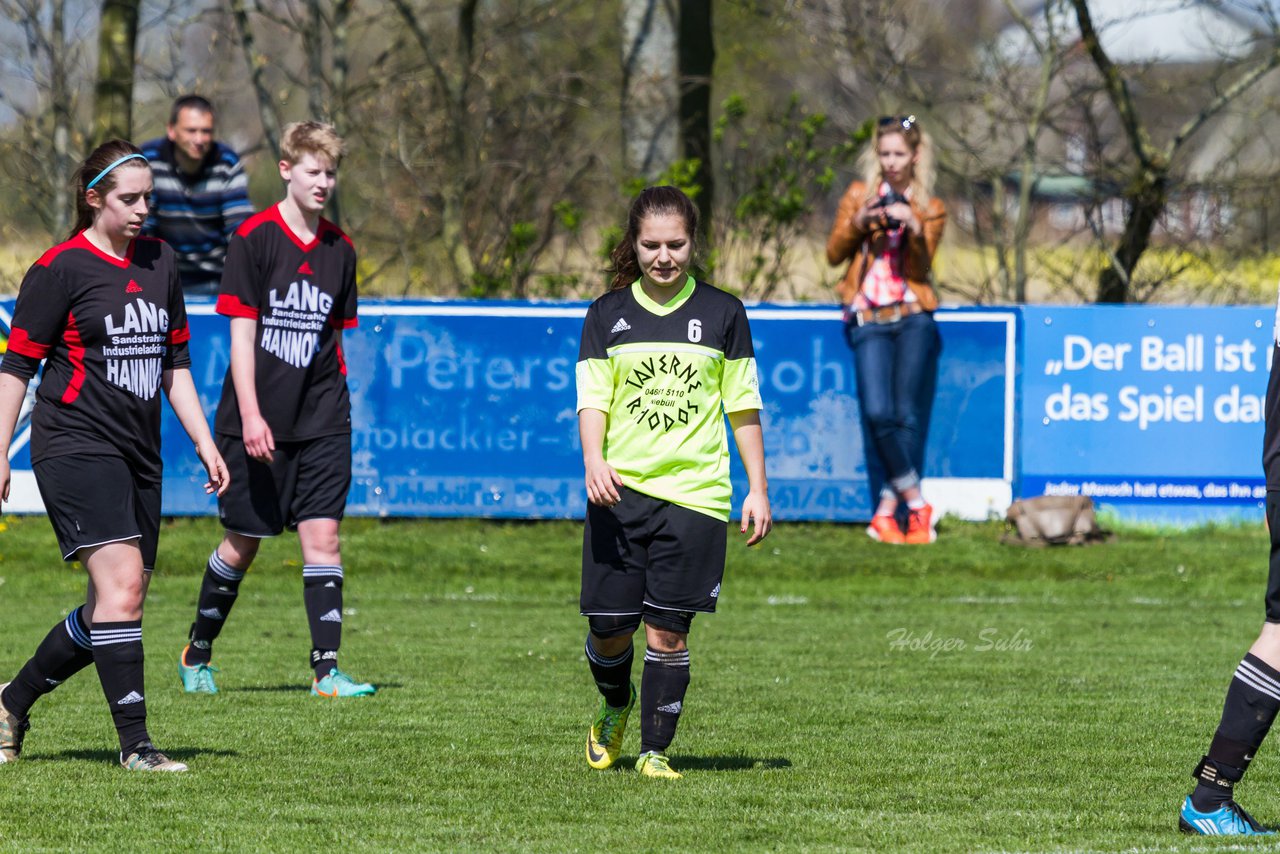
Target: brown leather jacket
x=847, y=241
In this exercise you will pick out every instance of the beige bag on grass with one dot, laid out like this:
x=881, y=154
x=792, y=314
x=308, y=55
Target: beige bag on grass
x=1052, y=520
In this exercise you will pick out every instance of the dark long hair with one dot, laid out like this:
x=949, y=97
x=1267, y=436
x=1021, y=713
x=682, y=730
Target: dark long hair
x=102, y=157
x=624, y=268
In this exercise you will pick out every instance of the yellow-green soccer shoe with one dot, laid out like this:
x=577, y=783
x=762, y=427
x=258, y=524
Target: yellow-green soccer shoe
x=604, y=740
x=653, y=764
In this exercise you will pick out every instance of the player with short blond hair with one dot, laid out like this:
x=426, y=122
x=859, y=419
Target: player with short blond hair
x=284, y=421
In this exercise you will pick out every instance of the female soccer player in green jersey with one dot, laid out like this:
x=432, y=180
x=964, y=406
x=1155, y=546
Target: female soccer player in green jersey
x=663, y=358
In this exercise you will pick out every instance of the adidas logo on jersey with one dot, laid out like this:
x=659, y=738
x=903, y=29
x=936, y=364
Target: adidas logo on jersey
x=212, y=613
x=334, y=616
x=306, y=270
x=133, y=287
x=620, y=326
x=671, y=708
x=129, y=699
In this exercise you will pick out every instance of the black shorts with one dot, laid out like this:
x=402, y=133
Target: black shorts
x=646, y=556
x=1273, y=576
x=305, y=480
x=93, y=500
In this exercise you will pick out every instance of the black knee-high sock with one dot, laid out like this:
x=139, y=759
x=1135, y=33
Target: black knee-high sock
x=612, y=675
x=322, y=593
x=63, y=653
x=218, y=594
x=662, y=688
x=1250, y=708
x=117, y=652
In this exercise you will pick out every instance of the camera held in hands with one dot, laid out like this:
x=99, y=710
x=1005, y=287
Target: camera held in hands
x=890, y=198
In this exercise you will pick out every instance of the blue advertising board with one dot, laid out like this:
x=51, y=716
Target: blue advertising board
x=1157, y=411
x=463, y=408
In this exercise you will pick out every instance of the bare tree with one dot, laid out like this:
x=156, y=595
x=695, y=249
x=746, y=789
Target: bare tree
x=697, y=59
x=650, y=88
x=36, y=164
x=1146, y=187
x=113, y=95
x=257, y=64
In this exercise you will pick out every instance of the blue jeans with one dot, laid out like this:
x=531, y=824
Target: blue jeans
x=896, y=366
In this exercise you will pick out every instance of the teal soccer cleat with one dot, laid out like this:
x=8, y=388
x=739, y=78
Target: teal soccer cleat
x=339, y=684
x=196, y=679
x=1228, y=820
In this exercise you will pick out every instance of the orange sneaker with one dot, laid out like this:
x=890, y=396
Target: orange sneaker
x=920, y=527
x=885, y=529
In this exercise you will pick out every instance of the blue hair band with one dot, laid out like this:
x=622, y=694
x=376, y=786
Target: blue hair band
x=111, y=166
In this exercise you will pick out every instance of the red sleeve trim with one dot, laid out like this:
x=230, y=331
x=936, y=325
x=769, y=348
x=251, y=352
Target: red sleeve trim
x=47, y=258
x=75, y=350
x=231, y=306
x=269, y=215
x=21, y=344
x=341, y=323
x=179, y=336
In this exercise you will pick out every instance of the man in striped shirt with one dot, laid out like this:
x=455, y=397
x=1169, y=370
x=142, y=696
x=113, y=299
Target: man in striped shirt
x=201, y=194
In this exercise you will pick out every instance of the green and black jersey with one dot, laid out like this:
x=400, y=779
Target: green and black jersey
x=665, y=375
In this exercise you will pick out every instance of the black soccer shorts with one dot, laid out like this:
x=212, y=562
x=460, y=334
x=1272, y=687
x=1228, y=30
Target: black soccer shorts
x=305, y=480
x=92, y=500
x=646, y=556
x=1273, y=574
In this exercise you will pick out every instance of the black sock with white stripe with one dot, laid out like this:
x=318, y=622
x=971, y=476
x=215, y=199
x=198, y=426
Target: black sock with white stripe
x=1250, y=708
x=662, y=688
x=612, y=675
x=322, y=592
x=63, y=653
x=218, y=594
x=117, y=651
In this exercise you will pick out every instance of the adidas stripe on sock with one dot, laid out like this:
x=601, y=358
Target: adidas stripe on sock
x=322, y=594
x=1250, y=708
x=662, y=689
x=117, y=652
x=218, y=592
x=64, y=652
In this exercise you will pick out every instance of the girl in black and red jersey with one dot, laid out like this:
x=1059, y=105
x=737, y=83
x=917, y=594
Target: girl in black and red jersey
x=104, y=312
x=284, y=421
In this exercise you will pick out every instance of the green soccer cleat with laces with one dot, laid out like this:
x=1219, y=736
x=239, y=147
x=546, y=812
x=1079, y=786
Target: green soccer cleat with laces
x=339, y=684
x=604, y=739
x=654, y=764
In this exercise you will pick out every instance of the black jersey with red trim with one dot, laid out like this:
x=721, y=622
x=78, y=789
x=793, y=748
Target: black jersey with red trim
x=107, y=328
x=302, y=296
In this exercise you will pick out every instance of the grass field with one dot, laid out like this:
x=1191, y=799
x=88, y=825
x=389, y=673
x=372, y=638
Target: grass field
x=847, y=696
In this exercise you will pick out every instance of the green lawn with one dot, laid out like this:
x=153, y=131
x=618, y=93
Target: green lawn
x=848, y=696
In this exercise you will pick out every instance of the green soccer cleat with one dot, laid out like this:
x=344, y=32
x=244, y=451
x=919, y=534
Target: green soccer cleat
x=339, y=684
x=604, y=739
x=12, y=731
x=145, y=757
x=197, y=678
x=654, y=764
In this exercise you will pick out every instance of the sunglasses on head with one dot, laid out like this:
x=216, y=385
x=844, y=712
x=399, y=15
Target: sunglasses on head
x=904, y=122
